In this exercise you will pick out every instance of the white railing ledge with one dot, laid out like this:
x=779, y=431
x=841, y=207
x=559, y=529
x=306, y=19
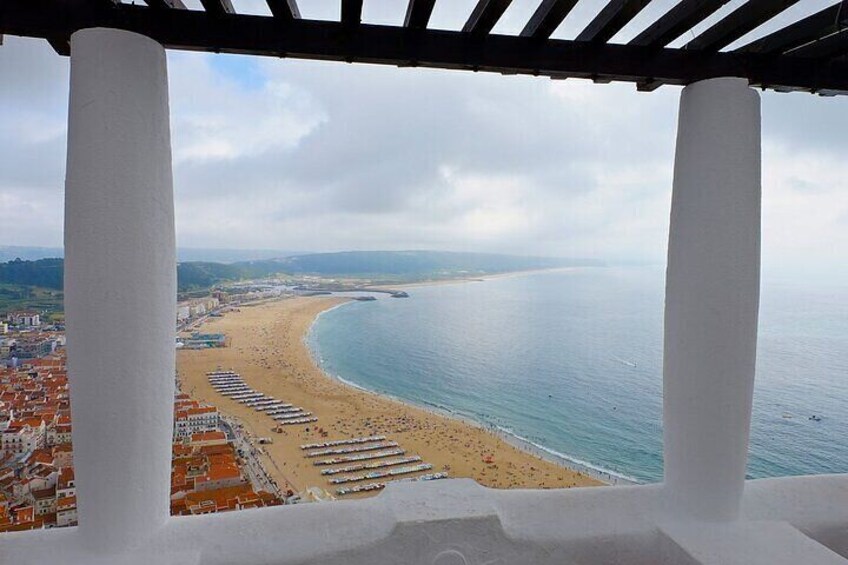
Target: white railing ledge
x=800, y=500
x=544, y=516
x=742, y=543
x=458, y=522
x=815, y=505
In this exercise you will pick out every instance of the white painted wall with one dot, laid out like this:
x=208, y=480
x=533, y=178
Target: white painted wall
x=712, y=297
x=120, y=285
x=455, y=522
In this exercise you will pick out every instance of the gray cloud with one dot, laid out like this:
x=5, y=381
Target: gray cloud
x=310, y=155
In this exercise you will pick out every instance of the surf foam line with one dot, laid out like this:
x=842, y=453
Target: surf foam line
x=575, y=464
x=570, y=461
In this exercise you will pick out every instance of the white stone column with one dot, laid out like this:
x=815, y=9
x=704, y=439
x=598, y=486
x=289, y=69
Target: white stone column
x=120, y=285
x=712, y=298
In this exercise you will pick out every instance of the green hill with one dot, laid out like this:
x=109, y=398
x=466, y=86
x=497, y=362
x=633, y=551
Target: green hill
x=395, y=266
x=44, y=273
x=418, y=264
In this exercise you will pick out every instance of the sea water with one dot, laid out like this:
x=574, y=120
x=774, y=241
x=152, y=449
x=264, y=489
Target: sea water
x=571, y=362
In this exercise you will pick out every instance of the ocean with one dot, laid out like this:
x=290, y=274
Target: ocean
x=569, y=363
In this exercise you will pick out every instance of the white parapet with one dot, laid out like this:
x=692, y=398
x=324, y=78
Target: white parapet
x=120, y=285
x=712, y=298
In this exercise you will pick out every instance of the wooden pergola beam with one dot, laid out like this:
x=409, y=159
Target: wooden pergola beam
x=681, y=18
x=805, y=30
x=615, y=15
x=218, y=7
x=418, y=13
x=650, y=66
x=284, y=10
x=547, y=18
x=739, y=22
x=166, y=4
x=351, y=12
x=485, y=15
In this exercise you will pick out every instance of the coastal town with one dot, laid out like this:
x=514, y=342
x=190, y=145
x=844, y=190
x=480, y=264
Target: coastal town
x=216, y=463
x=37, y=488
x=214, y=466
x=359, y=442
x=256, y=421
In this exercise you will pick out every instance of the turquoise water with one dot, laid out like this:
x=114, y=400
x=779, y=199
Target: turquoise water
x=571, y=362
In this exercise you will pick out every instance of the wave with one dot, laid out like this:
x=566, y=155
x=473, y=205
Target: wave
x=330, y=309
x=350, y=383
x=574, y=463
x=625, y=362
x=570, y=461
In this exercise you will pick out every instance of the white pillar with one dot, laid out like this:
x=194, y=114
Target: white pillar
x=712, y=298
x=120, y=285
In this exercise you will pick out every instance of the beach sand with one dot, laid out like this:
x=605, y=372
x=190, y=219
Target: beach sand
x=267, y=349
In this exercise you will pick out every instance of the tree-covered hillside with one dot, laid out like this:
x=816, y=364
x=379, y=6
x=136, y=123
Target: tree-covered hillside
x=419, y=264
x=375, y=265
x=44, y=273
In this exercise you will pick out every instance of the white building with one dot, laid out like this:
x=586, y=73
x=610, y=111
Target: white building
x=27, y=319
x=44, y=501
x=19, y=438
x=66, y=511
x=195, y=420
x=58, y=434
x=183, y=312
x=65, y=485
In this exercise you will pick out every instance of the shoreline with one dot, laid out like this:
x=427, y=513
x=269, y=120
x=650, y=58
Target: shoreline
x=481, y=278
x=608, y=477
x=269, y=351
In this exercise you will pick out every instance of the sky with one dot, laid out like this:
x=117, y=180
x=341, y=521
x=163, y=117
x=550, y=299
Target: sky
x=317, y=156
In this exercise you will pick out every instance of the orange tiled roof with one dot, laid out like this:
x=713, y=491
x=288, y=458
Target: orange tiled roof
x=208, y=436
x=66, y=503
x=220, y=473
x=25, y=514
x=66, y=475
x=44, y=493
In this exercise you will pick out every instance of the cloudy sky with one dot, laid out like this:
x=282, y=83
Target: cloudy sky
x=297, y=155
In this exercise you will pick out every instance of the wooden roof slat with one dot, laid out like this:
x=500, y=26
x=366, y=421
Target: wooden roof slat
x=818, y=66
x=166, y=4
x=351, y=12
x=485, y=15
x=547, y=18
x=681, y=18
x=418, y=13
x=218, y=7
x=615, y=15
x=62, y=45
x=830, y=47
x=285, y=10
x=649, y=85
x=803, y=31
x=739, y=22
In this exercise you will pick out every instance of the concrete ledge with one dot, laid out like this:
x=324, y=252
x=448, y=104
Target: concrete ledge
x=458, y=522
x=744, y=543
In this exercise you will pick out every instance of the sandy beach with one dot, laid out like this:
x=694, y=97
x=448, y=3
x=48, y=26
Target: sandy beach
x=267, y=348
